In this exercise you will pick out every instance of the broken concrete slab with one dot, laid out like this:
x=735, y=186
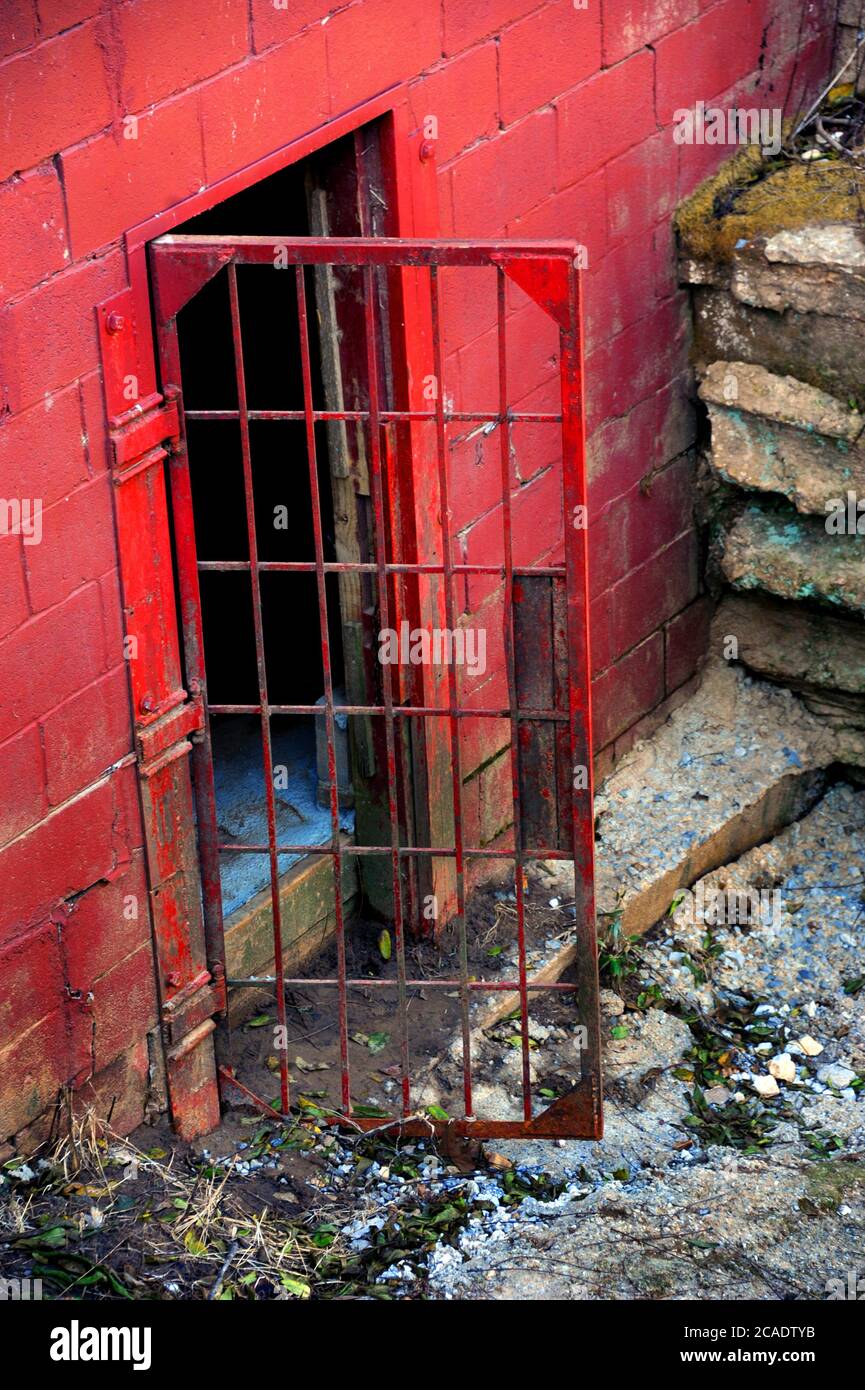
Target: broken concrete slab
x=819, y=655
x=834, y=244
x=806, y=289
x=825, y=350
x=795, y=557
x=777, y=434
x=782, y=399
x=729, y=769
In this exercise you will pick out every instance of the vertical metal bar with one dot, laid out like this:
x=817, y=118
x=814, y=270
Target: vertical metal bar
x=255, y=579
x=574, y=499
x=507, y=527
x=387, y=675
x=306, y=368
x=453, y=693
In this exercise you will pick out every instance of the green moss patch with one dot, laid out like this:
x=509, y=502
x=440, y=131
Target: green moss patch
x=752, y=197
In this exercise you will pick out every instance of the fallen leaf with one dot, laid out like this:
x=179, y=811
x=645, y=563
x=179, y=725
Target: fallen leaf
x=303, y=1065
x=810, y=1046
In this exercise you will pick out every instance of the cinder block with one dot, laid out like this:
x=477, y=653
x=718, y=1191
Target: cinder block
x=503, y=178
x=78, y=543
x=106, y=924
x=34, y=1066
x=66, y=852
x=32, y=230
x=127, y=175
x=686, y=639
x=50, y=335
x=164, y=47
x=119, y=1092
x=86, y=734
x=605, y=116
x=627, y=690
x=467, y=21
x=653, y=592
x=49, y=658
x=16, y=608
x=22, y=775
x=278, y=23
x=545, y=54
x=32, y=973
x=265, y=103
x=702, y=59
x=633, y=24
x=123, y=1005
x=55, y=15
x=41, y=449
x=373, y=45
x=641, y=187
x=52, y=96
x=637, y=363
x=578, y=213
x=462, y=95
x=17, y=26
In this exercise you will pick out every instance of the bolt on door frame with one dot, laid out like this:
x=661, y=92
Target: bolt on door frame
x=547, y=273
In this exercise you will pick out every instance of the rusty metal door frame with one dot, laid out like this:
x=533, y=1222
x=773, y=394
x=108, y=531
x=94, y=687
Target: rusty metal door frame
x=548, y=274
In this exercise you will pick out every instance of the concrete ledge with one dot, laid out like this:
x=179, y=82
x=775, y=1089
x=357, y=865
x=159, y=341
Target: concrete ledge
x=307, y=905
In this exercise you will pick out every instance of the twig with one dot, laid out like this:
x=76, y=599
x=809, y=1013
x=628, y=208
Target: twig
x=229, y=1256
x=815, y=106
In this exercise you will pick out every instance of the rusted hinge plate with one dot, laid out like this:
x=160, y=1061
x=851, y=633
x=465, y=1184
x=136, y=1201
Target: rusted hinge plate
x=147, y=427
x=192, y=1005
x=156, y=737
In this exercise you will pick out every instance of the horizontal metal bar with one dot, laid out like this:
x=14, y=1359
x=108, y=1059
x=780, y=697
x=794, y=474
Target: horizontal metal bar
x=550, y=716
x=355, y=251
x=467, y=417
x=446, y=853
x=363, y=567
x=481, y=986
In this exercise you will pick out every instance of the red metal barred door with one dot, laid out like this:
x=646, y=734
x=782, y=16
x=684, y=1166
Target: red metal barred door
x=422, y=587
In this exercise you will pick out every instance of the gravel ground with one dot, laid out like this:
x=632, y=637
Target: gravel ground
x=730, y=1013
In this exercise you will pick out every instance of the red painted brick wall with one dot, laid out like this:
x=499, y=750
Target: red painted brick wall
x=554, y=121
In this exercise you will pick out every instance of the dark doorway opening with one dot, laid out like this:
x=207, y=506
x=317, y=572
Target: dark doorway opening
x=332, y=192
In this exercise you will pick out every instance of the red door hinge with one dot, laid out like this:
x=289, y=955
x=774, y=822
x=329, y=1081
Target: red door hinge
x=184, y=1013
x=148, y=429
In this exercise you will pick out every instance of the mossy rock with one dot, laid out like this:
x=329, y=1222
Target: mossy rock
x=752, y=197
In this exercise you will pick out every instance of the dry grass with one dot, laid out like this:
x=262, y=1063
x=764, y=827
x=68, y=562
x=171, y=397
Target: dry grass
x=102, y=1218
